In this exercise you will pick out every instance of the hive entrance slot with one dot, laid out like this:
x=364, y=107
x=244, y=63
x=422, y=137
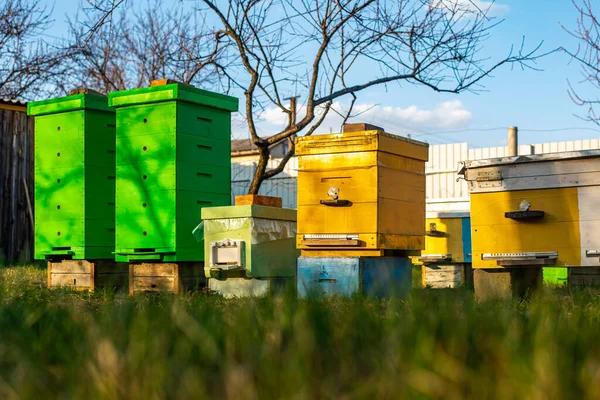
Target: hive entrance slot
x=61, y=248
x=327, y=280
x=144, y=250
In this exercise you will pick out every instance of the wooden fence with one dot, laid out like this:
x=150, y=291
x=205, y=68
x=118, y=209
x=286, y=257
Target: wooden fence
x=16, y=183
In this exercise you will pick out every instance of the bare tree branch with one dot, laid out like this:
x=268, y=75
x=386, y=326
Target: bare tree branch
x=587, y=55
x=27, y=64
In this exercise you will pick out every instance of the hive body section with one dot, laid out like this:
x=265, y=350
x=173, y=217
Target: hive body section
x=173, y=158
x=74, y=178
x=380, y=184
x=539, y=207
x=446, y=260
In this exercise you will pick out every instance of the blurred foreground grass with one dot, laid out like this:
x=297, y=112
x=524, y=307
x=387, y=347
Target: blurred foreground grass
x=436, y=344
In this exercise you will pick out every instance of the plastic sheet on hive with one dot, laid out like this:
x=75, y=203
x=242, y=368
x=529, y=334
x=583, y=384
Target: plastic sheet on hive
x=261, y=230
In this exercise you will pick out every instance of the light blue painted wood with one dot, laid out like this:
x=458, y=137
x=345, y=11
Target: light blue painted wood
x=348, y=276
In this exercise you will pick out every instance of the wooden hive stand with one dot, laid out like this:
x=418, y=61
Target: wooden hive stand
x=87, y=275
x=175, y=278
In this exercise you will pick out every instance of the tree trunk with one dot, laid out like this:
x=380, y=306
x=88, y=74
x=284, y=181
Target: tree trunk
x=259, y=173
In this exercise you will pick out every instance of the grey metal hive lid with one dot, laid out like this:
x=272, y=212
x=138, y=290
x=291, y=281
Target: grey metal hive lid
x=567, y=155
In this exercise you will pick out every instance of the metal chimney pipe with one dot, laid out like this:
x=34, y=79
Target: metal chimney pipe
x=513, y=141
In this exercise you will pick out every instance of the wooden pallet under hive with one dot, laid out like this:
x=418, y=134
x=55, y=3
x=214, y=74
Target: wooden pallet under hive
x=173, y=278
x=87, y=275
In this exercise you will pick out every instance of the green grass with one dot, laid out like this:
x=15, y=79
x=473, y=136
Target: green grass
x=436, y=344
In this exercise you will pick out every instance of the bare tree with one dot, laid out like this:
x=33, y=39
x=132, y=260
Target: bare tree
x=134, y=47
x=325, y=51
x=27, y=64
x=588, y=55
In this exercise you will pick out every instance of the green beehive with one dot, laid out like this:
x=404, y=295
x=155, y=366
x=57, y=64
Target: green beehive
x=74, y=177
x=173, y=158
x=258, y=240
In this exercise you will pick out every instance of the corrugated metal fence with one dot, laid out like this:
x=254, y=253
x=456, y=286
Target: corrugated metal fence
x=283, y=185
x=443, y=190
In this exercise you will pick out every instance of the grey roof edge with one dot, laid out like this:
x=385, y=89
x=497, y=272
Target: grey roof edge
x=566, y=155
x=12, y=101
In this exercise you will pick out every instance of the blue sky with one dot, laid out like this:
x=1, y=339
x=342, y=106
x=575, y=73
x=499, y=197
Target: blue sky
x=529, y=99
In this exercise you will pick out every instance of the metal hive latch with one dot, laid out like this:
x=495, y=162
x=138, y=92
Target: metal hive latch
x=524, y=258
x=330, y=240
x=592, y=253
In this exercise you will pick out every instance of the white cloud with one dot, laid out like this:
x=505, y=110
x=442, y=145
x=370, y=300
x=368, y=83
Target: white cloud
x=412, y=119
x=275, y=116
x=399, y=120
x=490, y=8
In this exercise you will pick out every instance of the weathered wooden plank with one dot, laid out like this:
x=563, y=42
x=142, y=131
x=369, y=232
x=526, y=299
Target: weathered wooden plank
x=16, y=169
x=154, y=284
x=71, y=267
x=157, y=269
x=79, y=281
x=444, y=276
x=584, y=276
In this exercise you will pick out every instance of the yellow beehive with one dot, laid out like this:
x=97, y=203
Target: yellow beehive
x=535, y=210
x=360, y=193
x=448, y=238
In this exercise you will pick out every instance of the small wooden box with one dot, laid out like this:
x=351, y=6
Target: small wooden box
x=437, y=276
x=360, y=194
x=448, y=238
x=348, y=276
x=166, y=277
x=87, y=275
x=581, y=277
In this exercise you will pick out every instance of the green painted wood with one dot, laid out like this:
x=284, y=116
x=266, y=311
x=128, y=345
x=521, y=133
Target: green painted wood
x=173, y=158
x=174, y=91
x=74, y=176
x=69, y=103
x=269, y=234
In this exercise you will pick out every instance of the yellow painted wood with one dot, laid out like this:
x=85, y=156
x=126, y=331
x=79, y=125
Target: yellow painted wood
x=358, y=185
x=362, y=141
x=401, y=217
x=381, y=175
x=321, y=219
x=404, y=147
x=342, y=253
x=372, y=241
x=339, y=161
x=557, y=231
x=450, y=243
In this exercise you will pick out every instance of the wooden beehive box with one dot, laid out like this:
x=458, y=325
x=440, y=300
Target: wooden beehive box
x=262, y=240
x=539, y=210
x=173, y=158
x=74, y=198
x=448, y=238
x=360, y=193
